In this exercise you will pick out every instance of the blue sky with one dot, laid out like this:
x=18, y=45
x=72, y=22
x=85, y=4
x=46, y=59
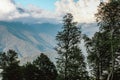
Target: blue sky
x=48, y=10
x=44, y=4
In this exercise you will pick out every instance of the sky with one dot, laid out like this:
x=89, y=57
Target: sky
x=52, y=11
x=44, y=4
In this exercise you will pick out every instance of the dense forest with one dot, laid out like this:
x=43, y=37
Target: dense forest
x=103, y=52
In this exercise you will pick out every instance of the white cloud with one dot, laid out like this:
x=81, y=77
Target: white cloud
x=41, y=14
x=82, y=10
x=8, y=10
x=6, y=6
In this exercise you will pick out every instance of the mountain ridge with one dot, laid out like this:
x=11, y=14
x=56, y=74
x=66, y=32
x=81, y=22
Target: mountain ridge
x=28, y=39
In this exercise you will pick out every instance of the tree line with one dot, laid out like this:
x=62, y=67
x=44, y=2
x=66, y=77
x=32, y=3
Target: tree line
x=103, y=52
x=104, y=47
x=40, y=69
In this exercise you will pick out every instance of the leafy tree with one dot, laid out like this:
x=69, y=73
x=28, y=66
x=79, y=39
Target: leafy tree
x=45, y=66
x=10, y=64
x=70, y=63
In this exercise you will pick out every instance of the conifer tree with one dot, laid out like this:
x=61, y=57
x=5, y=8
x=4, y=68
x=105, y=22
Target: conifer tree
x=10, y=64
x=70, y=63
x=46, y=67
x=108, y=17
x=104, y=47
x=31, y=72
x=98, y=57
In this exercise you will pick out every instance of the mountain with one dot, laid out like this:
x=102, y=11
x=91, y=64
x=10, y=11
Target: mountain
x=29, y=40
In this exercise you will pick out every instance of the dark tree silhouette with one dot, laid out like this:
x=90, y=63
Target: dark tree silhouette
x=104, y=46
x=10, y=64
x=70, y=63
x=45, y=66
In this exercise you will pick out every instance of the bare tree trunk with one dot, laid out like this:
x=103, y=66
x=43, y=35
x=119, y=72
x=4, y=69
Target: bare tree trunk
x=110, y=76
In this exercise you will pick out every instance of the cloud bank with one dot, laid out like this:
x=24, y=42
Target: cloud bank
x=9, y=11
x=82, y=10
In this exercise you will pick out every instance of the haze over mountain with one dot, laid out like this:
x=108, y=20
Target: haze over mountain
x=30, y=29
x=28, y=40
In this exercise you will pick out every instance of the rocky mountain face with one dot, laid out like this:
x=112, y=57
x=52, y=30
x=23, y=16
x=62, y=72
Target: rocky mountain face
x=29, y=40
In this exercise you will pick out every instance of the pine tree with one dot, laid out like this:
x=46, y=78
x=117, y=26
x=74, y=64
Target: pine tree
x=31, y=72
x=10, y=64
x=98, y=57
x=45, y=66
x=108, y=17
x=104, y=47
x=70, y=63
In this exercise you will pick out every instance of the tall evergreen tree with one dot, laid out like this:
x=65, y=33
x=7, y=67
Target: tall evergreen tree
x=98, y=57
x=10, y=64
x=70, y=63
x=108, y=17
x=104, y=47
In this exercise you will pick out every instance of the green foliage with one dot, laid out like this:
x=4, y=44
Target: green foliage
x=98, y=57
x=109, y=19
x=10, y=64
x=41, y=68
x=70, y=63
x=30, y=72
x=103, y=47
x=45, y=66
x=59, y=77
